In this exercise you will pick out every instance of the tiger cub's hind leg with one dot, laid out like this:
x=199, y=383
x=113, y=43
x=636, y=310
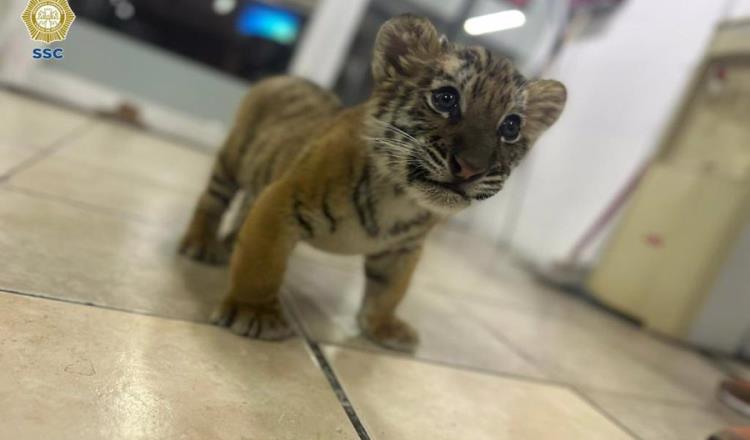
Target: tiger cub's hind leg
x=201, y=241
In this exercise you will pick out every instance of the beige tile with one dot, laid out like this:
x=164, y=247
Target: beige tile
x=399, y=398
x=602, y=356
x=651, y=420
x=123, y=169
x=25, y=122
x=465, y=267
x=573, y=341
x=678, y=364
x=326, y=298
x=58, y=249
x=682, y=366
x=457, y=274
x=76, y=180
x=468, y=316
x=76, y=372
x=120, y=150
x=11, y=156
x=460, y=266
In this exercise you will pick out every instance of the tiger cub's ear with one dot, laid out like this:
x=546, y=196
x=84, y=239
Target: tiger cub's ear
x=403, y=44
x=545, y=101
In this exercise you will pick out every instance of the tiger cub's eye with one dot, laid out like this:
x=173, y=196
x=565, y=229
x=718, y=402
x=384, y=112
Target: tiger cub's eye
x=510, y=129
x=445, y=99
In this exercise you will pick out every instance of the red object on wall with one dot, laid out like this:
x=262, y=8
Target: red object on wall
x=721, y=72
x=654, y=240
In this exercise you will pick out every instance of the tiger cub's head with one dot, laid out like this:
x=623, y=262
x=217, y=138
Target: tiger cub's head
x=448, y=123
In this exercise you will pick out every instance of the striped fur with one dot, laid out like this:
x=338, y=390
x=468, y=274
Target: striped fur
x=371, y=179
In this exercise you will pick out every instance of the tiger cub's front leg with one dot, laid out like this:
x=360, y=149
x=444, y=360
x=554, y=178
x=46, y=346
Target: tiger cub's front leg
x=388, y=275
x=265, y=241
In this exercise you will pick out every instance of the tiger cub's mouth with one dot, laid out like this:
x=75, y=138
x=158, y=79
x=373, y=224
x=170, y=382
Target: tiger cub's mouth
x=417, y=172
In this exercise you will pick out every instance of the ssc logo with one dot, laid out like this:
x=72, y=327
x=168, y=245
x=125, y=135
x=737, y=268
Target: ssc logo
x=48, y=20
x=47, y=54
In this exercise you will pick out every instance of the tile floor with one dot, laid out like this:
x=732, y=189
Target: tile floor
x=103, y=328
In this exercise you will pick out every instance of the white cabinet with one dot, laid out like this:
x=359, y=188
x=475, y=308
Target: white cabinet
x=679, y=260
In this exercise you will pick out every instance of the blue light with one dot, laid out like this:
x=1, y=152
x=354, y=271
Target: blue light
x=267, y=22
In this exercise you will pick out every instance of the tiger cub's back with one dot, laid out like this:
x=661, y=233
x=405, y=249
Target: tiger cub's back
x=281, y=116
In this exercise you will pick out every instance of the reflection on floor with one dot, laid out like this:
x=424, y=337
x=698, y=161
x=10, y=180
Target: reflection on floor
x=103, y=334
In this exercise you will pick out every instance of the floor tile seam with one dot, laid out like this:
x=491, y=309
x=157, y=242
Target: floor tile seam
x=190, y=193
x=511, y=346
x=86, y=206
x=72, y=301
x=338, y=389
x=319, y=357
x=325, y=368
x=489, y=373
x=48, y=150
x=606, y=414
x=302, y=328
x=530, y=379
x=646, y=364
x=453, y=366
x=665, y=375
x=672, y=403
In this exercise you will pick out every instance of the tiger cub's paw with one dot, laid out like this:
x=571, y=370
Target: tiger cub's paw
x=207, y=250
x=266, y=321
x=393, y=333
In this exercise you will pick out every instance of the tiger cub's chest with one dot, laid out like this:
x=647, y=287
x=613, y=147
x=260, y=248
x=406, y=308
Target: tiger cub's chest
x=374, y=220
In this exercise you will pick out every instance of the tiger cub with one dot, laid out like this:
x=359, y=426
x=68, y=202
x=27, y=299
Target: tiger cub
x=443, y=128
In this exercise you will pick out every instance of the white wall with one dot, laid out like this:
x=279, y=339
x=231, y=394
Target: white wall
x=623, y=87
x=739, y=9
x=324, y=46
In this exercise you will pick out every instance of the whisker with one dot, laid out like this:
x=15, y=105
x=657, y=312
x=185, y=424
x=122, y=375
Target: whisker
x=403, y=151
x=397, y=130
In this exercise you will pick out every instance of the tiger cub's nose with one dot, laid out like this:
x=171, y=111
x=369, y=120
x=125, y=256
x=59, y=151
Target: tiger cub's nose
x=464, y=170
